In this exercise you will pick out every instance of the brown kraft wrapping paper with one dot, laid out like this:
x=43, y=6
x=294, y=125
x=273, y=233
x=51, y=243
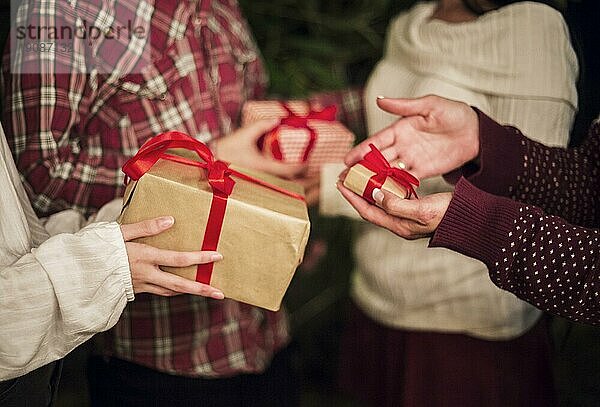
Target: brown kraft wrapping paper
x=358, y=177
x=263, y=236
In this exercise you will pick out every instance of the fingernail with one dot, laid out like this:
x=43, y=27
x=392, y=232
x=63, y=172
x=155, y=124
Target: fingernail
x=377, y=195
x=166, y=221
x=217, y=295
x=380, y=97
x=216, y=257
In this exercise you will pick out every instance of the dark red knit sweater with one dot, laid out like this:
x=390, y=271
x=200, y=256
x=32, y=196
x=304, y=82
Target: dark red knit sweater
x=542, y=244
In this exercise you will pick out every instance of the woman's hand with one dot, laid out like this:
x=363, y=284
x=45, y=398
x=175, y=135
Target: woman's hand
x=144, y=260
x=408, y=218
x=240, y=148
x=434, y=135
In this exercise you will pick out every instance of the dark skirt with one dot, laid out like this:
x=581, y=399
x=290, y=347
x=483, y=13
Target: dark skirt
x=380, y=366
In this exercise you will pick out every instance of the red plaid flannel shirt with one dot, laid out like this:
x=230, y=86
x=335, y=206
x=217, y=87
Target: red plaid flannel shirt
x=72, y=128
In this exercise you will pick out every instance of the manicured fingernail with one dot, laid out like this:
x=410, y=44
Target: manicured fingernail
x=377, y=195
x=216, y=257
x=166, y=221
x=380, y=97
x=217, y=295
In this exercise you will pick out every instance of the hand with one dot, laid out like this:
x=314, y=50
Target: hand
x=144, y=260
x=434, y=136
x=408, y=218
x=312, y=189
x=240, y=148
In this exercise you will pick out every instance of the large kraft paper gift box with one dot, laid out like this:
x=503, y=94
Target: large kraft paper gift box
x=374, y=171
x=303, y=134
x=258, y=223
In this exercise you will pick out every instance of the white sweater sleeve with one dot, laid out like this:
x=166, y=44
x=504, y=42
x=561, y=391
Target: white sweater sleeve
x=55, y=293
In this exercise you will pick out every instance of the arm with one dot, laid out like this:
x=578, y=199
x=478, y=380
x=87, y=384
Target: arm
x=564, y=182
x=46, y=101
x=57, y=296
x=540, y=258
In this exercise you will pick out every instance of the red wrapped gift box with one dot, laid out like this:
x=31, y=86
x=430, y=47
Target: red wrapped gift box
x=303, y=135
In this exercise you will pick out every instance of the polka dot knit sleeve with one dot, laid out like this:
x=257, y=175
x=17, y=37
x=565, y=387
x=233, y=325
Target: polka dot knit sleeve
x=534, y=248
x=563, y=182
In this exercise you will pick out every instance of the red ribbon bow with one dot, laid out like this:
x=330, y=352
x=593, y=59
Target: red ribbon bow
x=300, y=122
x=218, y=172
x=376, y=162
x=218, y=176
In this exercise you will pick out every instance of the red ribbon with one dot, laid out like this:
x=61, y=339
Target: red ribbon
x=218, y=176
x=376, y=162
x=300, y=122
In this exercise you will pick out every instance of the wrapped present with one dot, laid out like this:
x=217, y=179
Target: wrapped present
x=303, y=134
x=258, y=222
x=374, y=171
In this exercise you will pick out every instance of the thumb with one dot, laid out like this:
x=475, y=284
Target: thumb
x=145, y=228
x=258, y=128
x=396, y=206
x=406, y=107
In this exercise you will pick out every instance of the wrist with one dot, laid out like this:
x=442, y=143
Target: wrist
x=474, y=131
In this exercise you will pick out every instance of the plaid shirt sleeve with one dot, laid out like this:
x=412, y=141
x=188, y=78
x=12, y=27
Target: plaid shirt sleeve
x=43, y=112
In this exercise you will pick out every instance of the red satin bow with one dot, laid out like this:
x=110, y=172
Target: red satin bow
x=301, y=122
x=218, y=176
x=218, y=172
x=376, y=162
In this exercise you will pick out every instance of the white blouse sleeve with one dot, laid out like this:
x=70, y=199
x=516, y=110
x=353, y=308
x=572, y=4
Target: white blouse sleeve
x=55, y=293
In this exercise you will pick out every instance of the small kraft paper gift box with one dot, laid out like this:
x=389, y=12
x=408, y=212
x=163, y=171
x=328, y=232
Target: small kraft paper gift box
x=374, y=171
x=259, y=223
x=303, y=134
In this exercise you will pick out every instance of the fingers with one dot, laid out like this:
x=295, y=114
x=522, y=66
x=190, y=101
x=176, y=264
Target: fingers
x=145, y=228
x=178, y=259
x=403, y=227
x=154, y=289
x=368, y=212
x=424, y=215
x=398, y=207
x=407, y=107
x=167, y=283
x=380, y=140
x=258, y=128
x=343, y=174
x=383, y=140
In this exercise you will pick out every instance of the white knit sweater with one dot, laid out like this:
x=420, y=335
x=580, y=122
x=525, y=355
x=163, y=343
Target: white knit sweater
x=517, y=65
